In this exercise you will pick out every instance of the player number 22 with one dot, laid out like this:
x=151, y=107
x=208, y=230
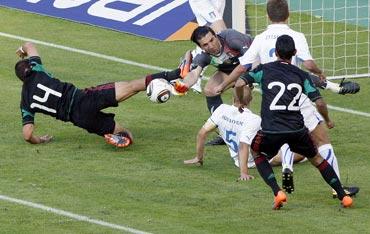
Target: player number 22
x=293, y=105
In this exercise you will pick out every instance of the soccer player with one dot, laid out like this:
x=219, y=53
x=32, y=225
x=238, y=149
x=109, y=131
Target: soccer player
x=282, y=85
x=43, y=93
x=220, y=50
x=236, y=128
x=262, y=50
x=206, y=12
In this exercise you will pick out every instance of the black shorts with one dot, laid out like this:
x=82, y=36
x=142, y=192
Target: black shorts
x=87, y=105
x=270, y=144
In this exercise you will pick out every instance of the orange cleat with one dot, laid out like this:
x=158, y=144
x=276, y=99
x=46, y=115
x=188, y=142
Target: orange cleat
x=347, y=202
x=279, y=200
x=185, y=64
x=117, y=140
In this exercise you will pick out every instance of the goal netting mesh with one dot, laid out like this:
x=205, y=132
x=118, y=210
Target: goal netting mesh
x=337, y=31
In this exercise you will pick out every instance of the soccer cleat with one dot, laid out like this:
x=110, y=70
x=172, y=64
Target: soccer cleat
x=287, y=180
x=350, y=191
x=348, y=87
x=346, y=202
x=279, y=200
x=117, y=140
x=216, y=141
x=185, y=64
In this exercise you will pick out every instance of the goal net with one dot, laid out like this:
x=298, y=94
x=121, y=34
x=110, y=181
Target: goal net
x=337, y=31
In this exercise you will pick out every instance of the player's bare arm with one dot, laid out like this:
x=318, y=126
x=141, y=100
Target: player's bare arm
x=31, y=138
x=312, y=67
x=243, y=159
x=234, y=75
x=323, y=110
x=201, y=139
x=28, y=49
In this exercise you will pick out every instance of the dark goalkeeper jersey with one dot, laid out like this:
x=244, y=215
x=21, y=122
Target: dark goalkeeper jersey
x=234, y=45
x=282, y=85
x=42, y=93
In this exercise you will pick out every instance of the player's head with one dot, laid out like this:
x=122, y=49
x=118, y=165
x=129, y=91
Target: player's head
x=285, y=47
x=23, y=69
x=277, y=10
x=247, y=96
x=206, y=39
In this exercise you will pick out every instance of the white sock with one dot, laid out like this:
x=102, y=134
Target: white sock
x=334, y=87
x=327, y=152
x=287, y=157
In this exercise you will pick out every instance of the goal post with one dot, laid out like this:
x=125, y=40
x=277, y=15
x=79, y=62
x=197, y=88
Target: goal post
x=337, y=31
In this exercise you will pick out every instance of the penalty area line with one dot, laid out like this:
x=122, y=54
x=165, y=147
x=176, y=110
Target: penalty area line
x=71, y=215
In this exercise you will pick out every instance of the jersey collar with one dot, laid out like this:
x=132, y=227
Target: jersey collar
x=275, y=26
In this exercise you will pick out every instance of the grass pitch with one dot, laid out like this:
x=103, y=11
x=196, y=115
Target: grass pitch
x=146, y=186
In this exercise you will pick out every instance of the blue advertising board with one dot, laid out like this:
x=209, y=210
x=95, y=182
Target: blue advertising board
x=156, y=19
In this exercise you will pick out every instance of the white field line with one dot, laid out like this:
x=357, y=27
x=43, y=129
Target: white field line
x=72, y=215
x=85, y=52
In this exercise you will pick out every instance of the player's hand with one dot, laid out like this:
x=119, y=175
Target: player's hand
x=218, y=89
x=20, y=52
x=196, y=160
x=46, y=139
x=244, y=176
x=322, y=77
x=330, y=124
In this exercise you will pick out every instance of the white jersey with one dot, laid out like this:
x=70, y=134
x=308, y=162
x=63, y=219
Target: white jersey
x=207, y=11
x=262, y=49
x=235, y=127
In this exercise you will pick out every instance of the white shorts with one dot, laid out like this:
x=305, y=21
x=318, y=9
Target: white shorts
x=207, y=11
x=310, y=115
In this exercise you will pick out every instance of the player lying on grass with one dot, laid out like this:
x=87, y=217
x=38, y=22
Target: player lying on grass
x=237, y=130
x=43, y=93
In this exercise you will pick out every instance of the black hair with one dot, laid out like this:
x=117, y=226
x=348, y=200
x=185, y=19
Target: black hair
x=200, y=32
x=23, y=69
x=285, y=47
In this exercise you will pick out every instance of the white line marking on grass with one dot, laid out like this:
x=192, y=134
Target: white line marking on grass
x=115, y=59
x=354, y=112
x=71, y=215
x=85, y=52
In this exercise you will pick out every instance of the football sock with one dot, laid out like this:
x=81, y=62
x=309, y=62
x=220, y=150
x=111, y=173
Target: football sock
x=213, y=103
x=167, y=75
x=331, y=178
x=265, y=170
x=334, y=87
x=287, y=157
x=327, y=152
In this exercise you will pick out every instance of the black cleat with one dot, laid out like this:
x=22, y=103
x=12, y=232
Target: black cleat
x=216, y=141
x=348, y=87
x=350, y=191
x=287, y=180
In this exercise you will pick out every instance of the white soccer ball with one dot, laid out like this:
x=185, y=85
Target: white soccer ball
x=159, y=90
